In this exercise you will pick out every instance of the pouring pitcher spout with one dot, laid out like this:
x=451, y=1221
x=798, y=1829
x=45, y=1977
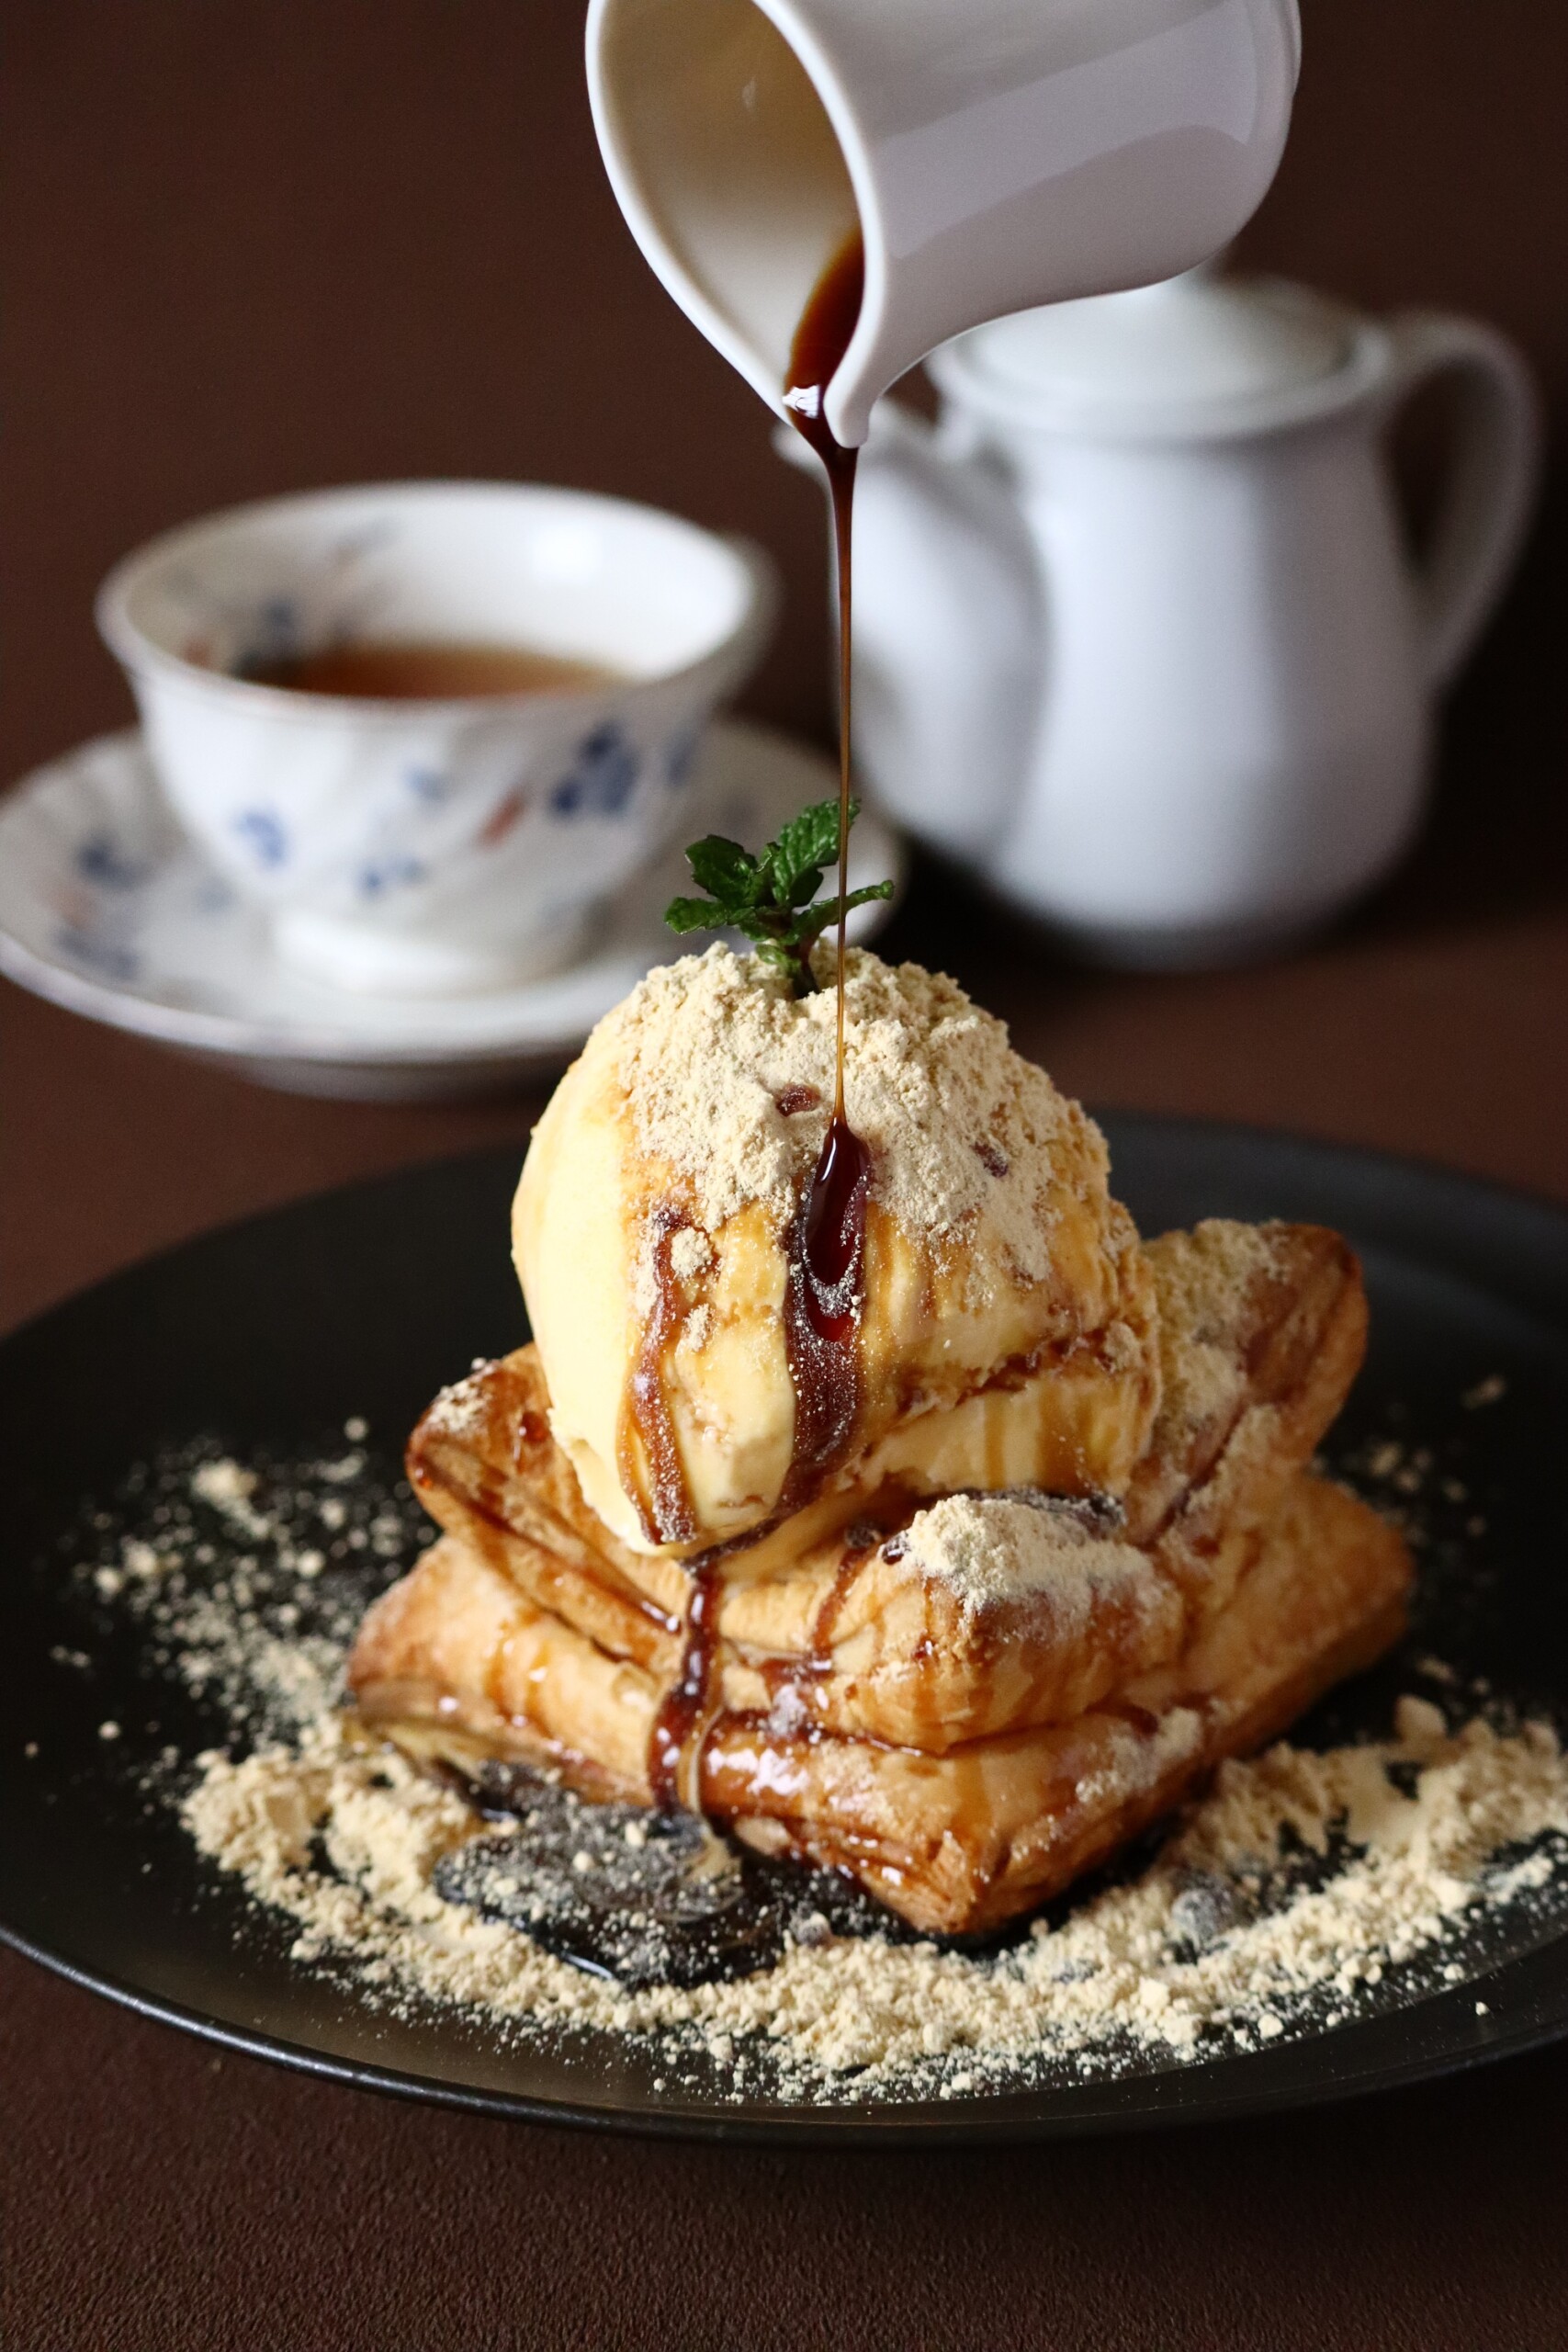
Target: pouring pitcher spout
x=989, y=165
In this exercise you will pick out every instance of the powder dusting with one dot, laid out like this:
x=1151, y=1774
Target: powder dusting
x=708, y=1048
x=1307, y=1888
x=1217, y=1944
x=1000, y=1550
x=1202, y=1279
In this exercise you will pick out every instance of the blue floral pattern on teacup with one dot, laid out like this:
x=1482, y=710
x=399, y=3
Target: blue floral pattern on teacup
x=681, y=755
x=266, y=836
x=429, y=786
x=380, y=877
x=99, y=858
x=603, y=776
x=94, y=953
x=273, y=635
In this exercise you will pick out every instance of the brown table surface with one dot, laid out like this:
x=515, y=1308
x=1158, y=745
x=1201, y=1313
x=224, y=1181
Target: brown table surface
x=278, y=241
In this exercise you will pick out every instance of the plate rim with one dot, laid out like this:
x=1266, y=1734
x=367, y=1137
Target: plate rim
x=888, y=2124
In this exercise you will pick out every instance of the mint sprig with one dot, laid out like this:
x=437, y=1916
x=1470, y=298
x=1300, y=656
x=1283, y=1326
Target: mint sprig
x=772, y=898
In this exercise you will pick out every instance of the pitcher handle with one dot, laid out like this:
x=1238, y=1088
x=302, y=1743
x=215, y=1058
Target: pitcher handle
x=1493, y=469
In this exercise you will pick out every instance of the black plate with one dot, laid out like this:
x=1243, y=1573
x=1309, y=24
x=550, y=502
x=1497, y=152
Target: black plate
x=268, y=1335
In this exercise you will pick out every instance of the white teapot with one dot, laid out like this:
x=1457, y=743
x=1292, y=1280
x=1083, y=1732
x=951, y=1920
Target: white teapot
x=1137, y=634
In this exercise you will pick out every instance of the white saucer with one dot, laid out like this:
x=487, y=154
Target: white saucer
x=106, y=909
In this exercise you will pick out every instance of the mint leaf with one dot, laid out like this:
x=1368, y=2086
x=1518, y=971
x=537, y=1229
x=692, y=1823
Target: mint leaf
x=690, y=914
x=772, y=953
x=725, y=870
x=825, y=913
x=772, y=898
x=807, y=844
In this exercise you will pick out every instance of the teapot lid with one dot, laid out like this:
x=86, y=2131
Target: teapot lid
x=1163, y=356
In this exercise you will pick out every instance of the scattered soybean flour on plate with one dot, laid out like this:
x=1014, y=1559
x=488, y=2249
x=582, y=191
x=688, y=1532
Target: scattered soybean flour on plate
x=1310, y=1887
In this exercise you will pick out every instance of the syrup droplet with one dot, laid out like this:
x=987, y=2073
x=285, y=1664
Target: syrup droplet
x=834, y=1232
x=685, y=1705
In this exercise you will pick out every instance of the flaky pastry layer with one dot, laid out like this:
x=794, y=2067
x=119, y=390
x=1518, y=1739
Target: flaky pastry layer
x=457, y=1665
x=849, y=1628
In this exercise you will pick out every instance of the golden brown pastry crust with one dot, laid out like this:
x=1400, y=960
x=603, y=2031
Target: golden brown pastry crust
x=456, y=1663
x=1262, y=1329
x=962, y=1738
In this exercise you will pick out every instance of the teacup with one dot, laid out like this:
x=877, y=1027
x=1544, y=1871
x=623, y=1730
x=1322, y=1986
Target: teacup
x=428, y=845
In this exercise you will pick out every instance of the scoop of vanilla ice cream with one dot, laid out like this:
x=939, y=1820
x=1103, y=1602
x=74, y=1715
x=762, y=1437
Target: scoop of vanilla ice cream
x=1007, y=1328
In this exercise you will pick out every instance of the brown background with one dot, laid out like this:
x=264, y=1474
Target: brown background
x=255, y=244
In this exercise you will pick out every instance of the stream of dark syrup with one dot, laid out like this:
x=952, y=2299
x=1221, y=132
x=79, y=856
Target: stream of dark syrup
x=683, y=1714
x=835, y=1220
x=824, y=1284
x=828, y=1255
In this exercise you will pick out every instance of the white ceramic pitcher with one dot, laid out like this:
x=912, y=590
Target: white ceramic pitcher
x=994, y=154
x=1137, y=633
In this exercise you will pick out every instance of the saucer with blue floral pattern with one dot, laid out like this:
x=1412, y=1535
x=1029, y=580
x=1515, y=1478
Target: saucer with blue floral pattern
x=107, y=909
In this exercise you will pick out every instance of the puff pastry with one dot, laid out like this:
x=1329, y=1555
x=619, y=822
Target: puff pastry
x=1261, y=1332
x=458, y=1666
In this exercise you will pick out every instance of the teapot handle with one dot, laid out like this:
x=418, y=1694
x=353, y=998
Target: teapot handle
x=1493, y=468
